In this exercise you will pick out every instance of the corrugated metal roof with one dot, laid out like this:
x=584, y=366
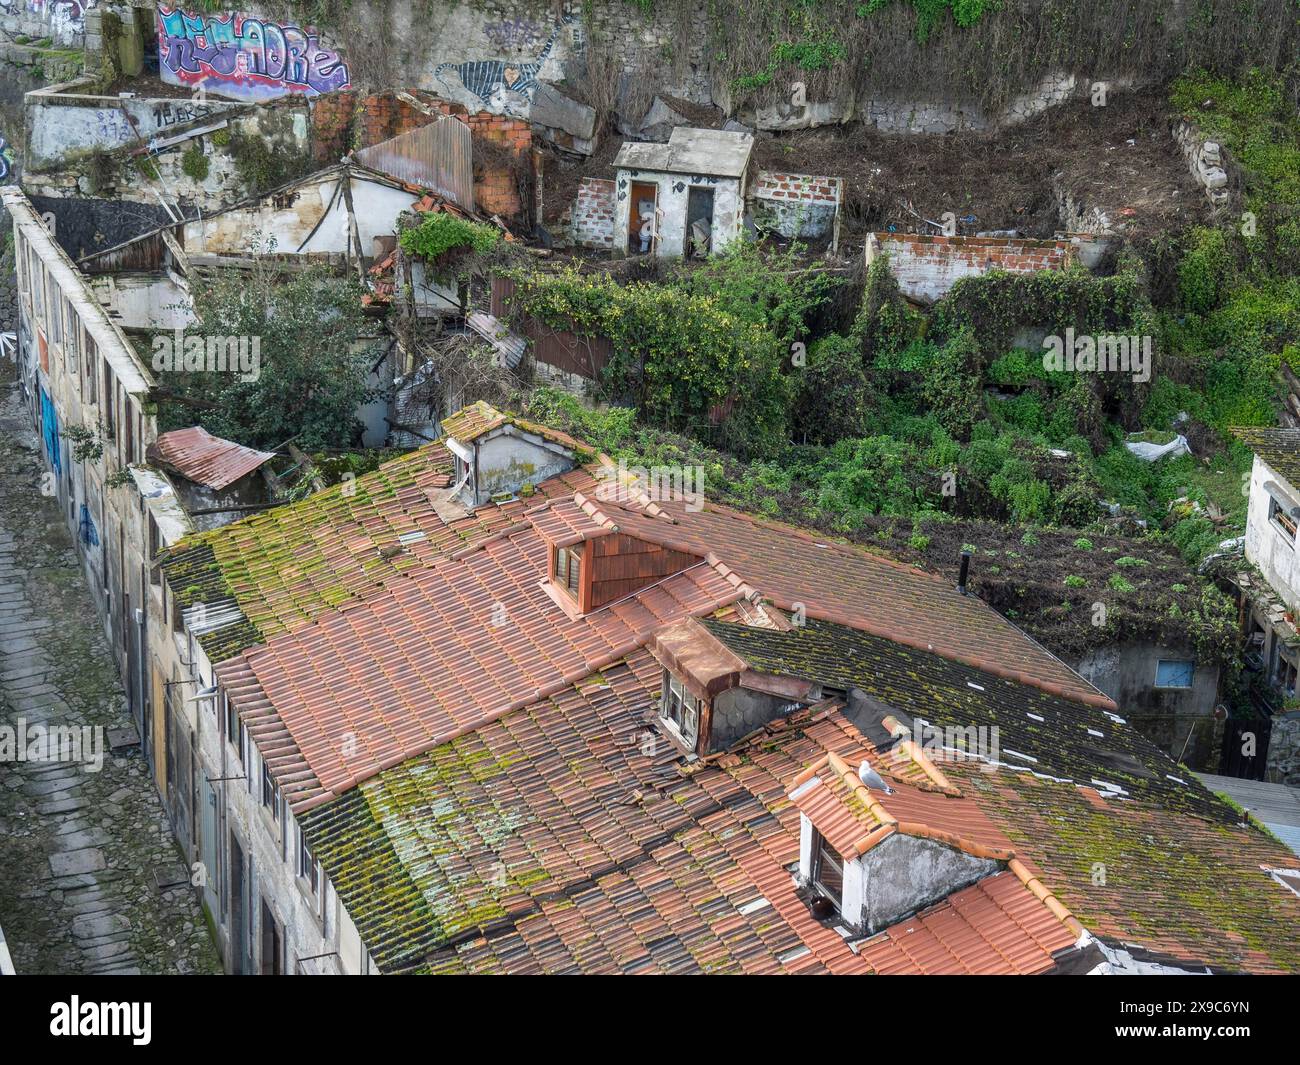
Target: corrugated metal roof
x=205, y=459
x=438, y=156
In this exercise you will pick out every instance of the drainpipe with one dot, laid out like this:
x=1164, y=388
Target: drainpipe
x=965, y=571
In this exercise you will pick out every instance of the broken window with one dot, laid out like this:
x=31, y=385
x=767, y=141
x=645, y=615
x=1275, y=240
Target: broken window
x=828, y=871
x=1281, y=519
x=681, y=708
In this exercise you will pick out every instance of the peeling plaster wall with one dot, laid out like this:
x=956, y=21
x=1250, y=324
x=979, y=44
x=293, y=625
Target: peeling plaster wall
x=670, y=201
x=143, y=300
x=291, y=219
x=507, y=461
x=65, y=123
x=905, y=874
x=1166, y=716
x=1266, y=546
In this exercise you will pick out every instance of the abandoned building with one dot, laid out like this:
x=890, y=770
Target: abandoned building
x=1268, y=588
x=685, y=197
x=720, y=684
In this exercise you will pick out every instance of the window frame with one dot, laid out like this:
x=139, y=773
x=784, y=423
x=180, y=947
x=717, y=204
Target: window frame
x=1191, y=682
x=1285, y=525
x=566, y=565
x=821, y=849
x=680, y=709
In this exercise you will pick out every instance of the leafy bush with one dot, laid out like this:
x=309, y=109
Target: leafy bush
x=439, y=232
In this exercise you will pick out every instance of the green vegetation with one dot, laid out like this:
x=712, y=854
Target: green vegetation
x=439, y=233
x=313, y=355
x=195, y=164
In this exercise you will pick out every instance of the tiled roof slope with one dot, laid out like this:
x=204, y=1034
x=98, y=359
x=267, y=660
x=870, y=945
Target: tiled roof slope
x=438, y=652
x=560, y=839
x=1280, y=448
x=842, y=583
x=469, y=423
x=289, y=565
x=1036, y=730
x=448, y=647
x=206, y=459
x=1170, y=881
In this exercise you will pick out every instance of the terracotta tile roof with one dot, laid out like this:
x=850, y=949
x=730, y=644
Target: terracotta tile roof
x=469, y=423
x=1034, y=729
x=556, y=839
x=287, y=566
x=854, y=819
x=205, y=459
x=970, y=932
x=438, y=652
x=828, y=580
x=1280, y=448
x=1170, y=881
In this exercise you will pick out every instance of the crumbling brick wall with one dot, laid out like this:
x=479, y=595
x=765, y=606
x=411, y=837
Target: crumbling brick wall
x=593, y=213
x=928, y=266
x=797, y=205
x=346, y=121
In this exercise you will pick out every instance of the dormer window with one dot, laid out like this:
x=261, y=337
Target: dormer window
x=828, y=871
x=680, y=709
x=568, y=569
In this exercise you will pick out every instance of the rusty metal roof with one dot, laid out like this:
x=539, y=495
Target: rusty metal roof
x=205, y=459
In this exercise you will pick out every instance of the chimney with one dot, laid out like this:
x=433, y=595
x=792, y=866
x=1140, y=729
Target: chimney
x=965, y=570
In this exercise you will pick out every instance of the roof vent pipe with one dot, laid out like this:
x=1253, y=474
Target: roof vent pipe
x=965, y=570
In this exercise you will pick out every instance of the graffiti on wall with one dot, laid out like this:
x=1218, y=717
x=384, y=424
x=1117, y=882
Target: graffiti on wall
x=505, y=86
x=6, y=158
x=65, y=18
x=244, y=57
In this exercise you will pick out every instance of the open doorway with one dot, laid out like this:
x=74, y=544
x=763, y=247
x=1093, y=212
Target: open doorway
x=699, y=221
x=641, y=226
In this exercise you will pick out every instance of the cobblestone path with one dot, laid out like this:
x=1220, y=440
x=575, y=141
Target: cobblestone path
x=87, y=859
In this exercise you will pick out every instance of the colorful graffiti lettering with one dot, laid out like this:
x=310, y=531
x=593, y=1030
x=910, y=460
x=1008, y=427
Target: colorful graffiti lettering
x=245, y=58
x=494, y=81
x=6, y=157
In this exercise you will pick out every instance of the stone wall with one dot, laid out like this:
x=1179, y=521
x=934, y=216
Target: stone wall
x=928, y=266
x=593, y=213
x=63, y=22
x=1206, y=160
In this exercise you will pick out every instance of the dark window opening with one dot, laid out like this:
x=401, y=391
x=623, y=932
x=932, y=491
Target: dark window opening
x=828, y=871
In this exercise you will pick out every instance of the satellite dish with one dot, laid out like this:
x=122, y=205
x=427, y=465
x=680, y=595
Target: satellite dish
x=872, y=779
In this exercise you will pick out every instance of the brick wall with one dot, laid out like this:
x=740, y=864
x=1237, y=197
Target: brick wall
x=797, y=205
x=345, y=121
x=928, y=266
x=593, y=213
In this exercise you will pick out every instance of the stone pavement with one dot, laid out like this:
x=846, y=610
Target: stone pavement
x=86, y=858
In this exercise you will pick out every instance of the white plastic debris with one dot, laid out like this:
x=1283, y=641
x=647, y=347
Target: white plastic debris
x=1149, y=452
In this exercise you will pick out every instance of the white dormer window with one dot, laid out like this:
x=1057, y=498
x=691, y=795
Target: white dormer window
x=680, y=709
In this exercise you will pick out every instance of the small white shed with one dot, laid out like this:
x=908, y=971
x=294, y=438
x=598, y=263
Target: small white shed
x=683, y=197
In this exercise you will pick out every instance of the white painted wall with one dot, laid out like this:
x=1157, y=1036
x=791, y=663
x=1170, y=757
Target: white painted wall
x=1267, y=546
x=673, y=190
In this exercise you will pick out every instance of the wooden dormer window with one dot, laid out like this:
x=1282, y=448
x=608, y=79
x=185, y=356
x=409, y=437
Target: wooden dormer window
x=568, y=570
